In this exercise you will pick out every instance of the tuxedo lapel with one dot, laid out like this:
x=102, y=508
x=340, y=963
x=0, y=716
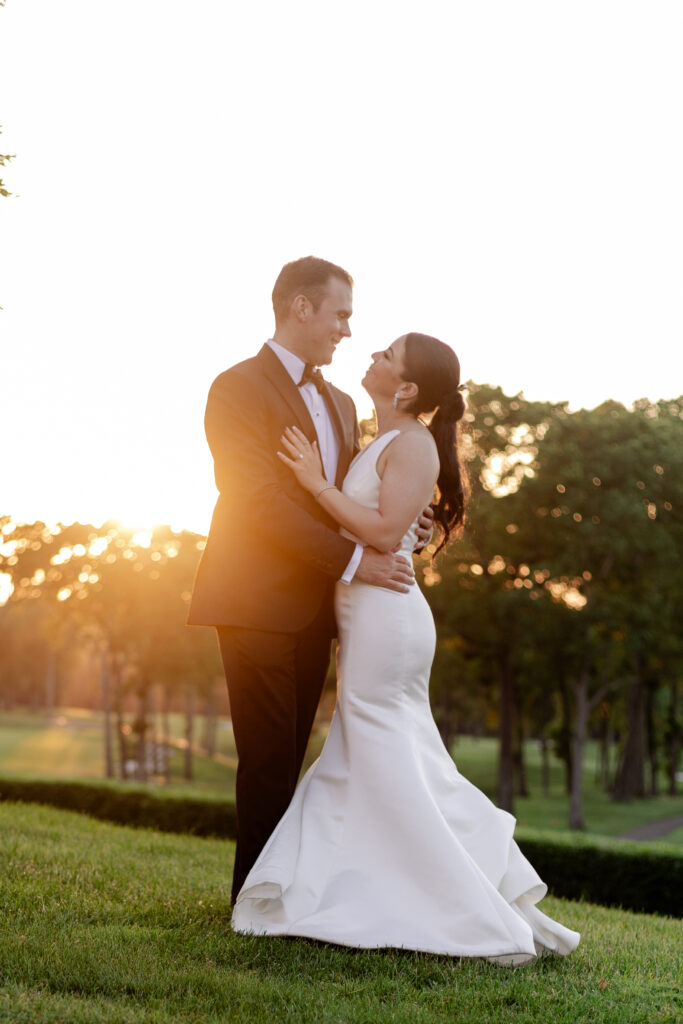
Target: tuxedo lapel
x=343, y=423
x=287, y=389
x=344, y=426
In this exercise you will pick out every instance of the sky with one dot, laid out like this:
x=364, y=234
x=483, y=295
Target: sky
x=505, y=176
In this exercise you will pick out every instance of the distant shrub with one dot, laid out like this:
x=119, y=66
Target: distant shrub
x=614, y=873
x=595, y=868
x=128, y=806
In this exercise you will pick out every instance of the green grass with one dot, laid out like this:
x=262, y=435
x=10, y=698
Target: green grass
x=100, y=923
x=675, y=838
x=71, y=747
x=603, y=815
x=477, y=758
x=31, y=744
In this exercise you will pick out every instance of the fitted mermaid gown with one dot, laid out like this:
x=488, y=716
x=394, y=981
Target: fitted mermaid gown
x=385, y=843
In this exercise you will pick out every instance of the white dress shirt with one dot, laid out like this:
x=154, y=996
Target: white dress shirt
x=328, y=444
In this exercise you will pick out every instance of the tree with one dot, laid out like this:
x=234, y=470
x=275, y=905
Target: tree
x=597, y=536
x=124, y=597
x=478, y=591
x=571, y=517
x=4, y=160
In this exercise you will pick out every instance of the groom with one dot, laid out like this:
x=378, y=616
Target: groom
x=270, y=595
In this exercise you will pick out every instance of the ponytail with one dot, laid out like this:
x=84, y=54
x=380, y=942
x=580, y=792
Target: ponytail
x=434, y=367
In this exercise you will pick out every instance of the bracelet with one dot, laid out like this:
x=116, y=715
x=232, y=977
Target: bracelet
x=327, y=487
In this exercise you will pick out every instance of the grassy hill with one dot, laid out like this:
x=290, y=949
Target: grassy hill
x=101, y=923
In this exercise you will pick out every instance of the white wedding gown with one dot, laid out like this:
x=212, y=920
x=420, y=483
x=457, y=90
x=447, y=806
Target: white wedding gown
x=385, y=843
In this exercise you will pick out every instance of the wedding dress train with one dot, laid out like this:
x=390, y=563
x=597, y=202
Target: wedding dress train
x=385, y=843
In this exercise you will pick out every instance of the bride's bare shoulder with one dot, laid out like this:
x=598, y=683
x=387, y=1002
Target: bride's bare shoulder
x=413, y=445
x=417, y=438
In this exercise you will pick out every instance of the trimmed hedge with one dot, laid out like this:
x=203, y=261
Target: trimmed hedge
x=132, y=805
x=645, y=877
x=612, y=872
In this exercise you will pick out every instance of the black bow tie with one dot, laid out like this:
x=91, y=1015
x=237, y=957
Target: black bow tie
x=312, y=375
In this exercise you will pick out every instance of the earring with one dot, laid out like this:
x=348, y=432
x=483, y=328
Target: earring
x=396, y=400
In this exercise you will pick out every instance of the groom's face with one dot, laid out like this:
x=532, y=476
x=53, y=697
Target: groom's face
x=324, y=328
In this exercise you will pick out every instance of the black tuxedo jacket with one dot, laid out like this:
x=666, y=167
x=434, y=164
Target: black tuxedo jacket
x=272, y=554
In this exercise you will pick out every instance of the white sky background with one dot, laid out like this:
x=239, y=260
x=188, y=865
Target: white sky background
x=505, y=175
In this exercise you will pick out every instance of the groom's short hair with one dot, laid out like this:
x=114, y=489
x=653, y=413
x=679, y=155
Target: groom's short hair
x=308, y=276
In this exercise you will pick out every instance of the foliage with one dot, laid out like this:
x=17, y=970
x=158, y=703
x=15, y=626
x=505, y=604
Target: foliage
x=117, y=599
x=556, y=611
x=548, y=598
x=134, y=806
x=126, y=591
x=646, y=877
x=4, y=160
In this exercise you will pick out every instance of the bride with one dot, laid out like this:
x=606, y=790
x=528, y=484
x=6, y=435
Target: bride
x=385, y=843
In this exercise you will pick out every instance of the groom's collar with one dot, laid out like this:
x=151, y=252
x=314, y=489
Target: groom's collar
x=286, y=384
x=291, y=362
x=278, y=374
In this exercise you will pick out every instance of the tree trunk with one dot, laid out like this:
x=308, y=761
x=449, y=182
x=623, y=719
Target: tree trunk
x=674, y=744
x=120, y=723
x=123, y=745
x=210, y=722
x=630, y=780
x=576, y=819
x=141, y=726
x=545, y=764
x=602, y=764
x=506, y=766
x=610, y=745
x=189, y=731
x=158, y=745
x=106, y=711
x=50, y=682
x=521, y=779
x=166, y=733
x=652, y=751
x=153, y=730
x=446, y=728
x=565, y=737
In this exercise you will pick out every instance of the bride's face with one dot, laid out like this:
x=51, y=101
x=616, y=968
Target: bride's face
x=383, y=377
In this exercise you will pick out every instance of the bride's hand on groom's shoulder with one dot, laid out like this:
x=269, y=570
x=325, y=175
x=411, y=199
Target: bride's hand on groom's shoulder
x=385, y=569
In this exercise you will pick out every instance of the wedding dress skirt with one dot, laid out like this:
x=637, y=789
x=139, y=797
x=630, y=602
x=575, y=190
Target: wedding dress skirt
x=385, y=843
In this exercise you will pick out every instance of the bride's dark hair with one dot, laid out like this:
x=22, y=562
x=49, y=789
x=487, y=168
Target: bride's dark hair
x=435, y=368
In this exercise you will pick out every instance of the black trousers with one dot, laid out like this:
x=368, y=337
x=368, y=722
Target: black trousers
x=274, y=681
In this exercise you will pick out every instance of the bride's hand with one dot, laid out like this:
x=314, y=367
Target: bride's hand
x=304, y=459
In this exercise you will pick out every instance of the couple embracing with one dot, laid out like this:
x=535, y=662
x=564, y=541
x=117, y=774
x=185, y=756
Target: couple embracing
x=383, y=843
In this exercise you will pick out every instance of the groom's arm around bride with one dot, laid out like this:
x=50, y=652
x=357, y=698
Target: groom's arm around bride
x=275, y=575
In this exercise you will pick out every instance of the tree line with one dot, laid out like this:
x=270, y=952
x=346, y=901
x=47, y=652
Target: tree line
x=557, y=611
x=96, y=618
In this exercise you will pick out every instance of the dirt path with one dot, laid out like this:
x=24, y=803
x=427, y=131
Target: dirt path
x=653, y=829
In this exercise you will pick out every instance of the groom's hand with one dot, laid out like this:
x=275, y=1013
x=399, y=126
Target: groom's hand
x=424, y=529
x=385, y=569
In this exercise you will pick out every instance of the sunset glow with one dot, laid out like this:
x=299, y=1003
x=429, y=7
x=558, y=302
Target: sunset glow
x=476, y=185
